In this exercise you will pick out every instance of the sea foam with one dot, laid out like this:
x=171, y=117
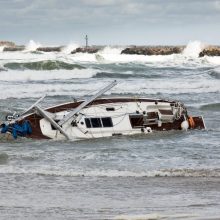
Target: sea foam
x=155, y=216
x=1, y=48
x=69, y=48
x=32, y=46
x=187, y=172
x=193, y=48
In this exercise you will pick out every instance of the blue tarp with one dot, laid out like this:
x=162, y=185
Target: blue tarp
x=17, y=130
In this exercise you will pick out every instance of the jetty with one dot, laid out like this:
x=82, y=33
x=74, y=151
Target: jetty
x=211, y=50
x=153, y=50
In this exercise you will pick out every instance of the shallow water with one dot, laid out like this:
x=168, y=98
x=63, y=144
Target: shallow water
x=168, y=175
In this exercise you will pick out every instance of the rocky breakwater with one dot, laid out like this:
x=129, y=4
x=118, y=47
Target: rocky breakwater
x=10, y=46
x=85, y=50
x=210, y=51
x=7, y=44
x=153, y=50
x=15, y=48
x=50, y=49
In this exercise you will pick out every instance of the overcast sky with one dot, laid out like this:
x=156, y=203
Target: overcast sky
x=109, y=22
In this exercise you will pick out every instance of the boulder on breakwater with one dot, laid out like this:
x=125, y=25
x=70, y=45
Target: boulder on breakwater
x=13, y=49
x=50, y=49
x=153, y=50
x=210, y=51
x=11, y=46
x=85, y=50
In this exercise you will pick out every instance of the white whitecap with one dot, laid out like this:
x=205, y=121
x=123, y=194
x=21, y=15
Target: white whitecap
x=1, y=48
x=32, y=46
x=193, y=49
x=69, y=48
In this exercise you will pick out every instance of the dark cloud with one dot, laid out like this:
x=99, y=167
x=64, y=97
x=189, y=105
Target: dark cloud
x=111, y=21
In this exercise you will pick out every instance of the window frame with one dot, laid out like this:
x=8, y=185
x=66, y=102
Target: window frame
x=89, y=123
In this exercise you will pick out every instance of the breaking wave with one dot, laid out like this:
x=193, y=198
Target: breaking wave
x=43, y=65
x=1, y=48
x=29, y=75
x=189, y=57
x=125, y=75
x=43, y=83
x=32, y=46
x=215, y=73
x=118, y=173
x=193, y=49
x=154, y=216
x=2, y=69
x=69, y=48
x=211, y=107
x=139, y=217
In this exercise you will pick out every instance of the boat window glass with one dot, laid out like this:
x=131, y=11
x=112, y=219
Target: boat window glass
x=110, y=109
x=107, y=122
x=88, y=123
x=53, y=128
x=96, y=122
x=136, y=120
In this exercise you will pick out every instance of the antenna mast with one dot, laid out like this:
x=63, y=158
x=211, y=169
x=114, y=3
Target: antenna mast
x=87, y=44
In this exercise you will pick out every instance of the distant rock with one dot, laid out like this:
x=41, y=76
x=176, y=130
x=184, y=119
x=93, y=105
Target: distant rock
x=50, y=49
x=85, y=50
x=153, y=50
x=210, y=51
x=7, y=43
x=14, y=48
x=10, y=46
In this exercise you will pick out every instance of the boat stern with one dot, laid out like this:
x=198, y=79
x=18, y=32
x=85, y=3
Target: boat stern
x=196, y=122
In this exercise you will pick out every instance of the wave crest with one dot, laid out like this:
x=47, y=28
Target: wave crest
x=125, y=75
x=193, y=48
x=42, y=65
x=118, y=173
x=32, y=46
x=211, y=107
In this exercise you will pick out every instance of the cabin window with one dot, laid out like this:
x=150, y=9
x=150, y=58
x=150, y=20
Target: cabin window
x=152, y=115
x=96, y=122
x=110, y=109
x=136, y=121
x=107, y=122
x=53, y=128
x=88, y=123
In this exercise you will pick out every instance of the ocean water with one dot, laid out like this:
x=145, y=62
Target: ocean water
x=164, y=175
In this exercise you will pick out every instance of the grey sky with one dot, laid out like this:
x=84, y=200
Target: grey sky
x=110, y=21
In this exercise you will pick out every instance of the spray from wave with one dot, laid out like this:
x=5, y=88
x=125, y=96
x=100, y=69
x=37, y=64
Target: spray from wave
x=112, y=54
x=69, y=48
x=32, y=46
x=1, y=48
x=193, y=49
x=111, y=50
